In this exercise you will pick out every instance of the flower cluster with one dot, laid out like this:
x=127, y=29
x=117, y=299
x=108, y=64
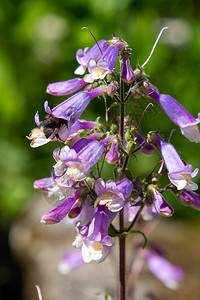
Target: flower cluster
x=81, y=194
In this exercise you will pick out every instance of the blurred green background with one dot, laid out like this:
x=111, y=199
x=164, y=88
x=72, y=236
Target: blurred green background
x=38, y=42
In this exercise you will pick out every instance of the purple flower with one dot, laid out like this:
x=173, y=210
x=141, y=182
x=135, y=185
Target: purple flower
x=81, y=125
x=161, y=205
x=86, y=214
x=98, y=70
x=58, y=213
x=70, y=261
x=112, y=156
x=93, y=238
x=63, y=88
x=179, y=173
x=111, y=194
x=75, y=162
x=189, y=198
x=127, y=72
x=57, y=125
x=170, y=275
x=55, y=192
x=179, y=115
x=84, y=56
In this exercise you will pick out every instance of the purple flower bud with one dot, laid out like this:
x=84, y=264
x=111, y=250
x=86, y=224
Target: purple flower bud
x=63, y=88
x=112, y=89
x=127, y=72
x=58, y=213
x=112, y=156
x=118, y=43
x=170, y=275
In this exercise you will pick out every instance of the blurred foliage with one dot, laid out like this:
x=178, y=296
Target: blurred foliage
x=38, y=44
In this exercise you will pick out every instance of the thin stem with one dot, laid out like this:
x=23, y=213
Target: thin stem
x=102, y=164
x=122, y=245
x=116, y=98
x=113, y=228
x=106, y=111
x=122, y=270
x=135, y=219
x=98, y=169
x=141, y=118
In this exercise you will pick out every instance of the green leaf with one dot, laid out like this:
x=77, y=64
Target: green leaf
x=112, y=233
x=113, y=105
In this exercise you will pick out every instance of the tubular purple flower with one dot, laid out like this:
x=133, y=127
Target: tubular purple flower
x=71, y=109
x=179, y=116
x=189, y=198
x=70, y=261
x=112, y=156
x=161, y=205
x=96, y=243
x=75, y=163
x=67, y=87
x=127, y=74
x=179, y=173
x=58, y=213
x=170, y=275
x=84, y=56
x=54, y=192
x=57, y=125
x=44, y=184
x=112, y=194
x=86, y=214
x=97, y=229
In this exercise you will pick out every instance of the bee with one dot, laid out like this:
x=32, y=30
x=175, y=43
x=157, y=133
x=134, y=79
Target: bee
x=51, y=125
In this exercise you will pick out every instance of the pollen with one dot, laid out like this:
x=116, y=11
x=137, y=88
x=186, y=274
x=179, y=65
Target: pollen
x=96, y=246
x=98, y=71
x=187, y=177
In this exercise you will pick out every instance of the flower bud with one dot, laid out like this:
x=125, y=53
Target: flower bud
x=112, y=156
x=130, y=146
x=127, y=72
x=112, y=89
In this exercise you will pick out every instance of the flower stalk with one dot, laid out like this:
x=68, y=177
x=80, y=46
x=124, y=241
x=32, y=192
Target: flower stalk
x=77, y=187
